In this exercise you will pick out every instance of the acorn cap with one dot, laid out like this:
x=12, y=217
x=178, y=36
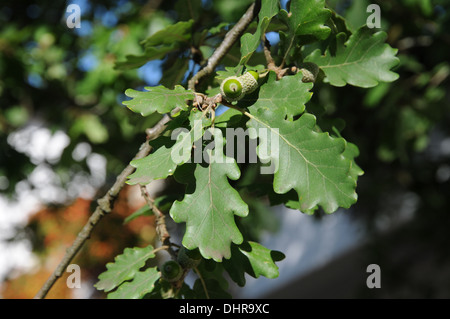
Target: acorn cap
x=171, y=270
x=249, y=81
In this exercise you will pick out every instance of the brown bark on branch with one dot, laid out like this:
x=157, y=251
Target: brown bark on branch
x=230, y=38
x=104, y=207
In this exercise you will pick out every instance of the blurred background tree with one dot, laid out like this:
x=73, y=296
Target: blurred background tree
x=65, y=135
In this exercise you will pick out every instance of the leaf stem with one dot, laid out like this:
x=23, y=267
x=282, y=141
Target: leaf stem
x=286, y=53
x=227, y=104
x=268, y=55
x=202, y=281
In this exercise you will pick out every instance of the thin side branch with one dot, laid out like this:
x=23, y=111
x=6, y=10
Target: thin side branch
x=230, y=38
x=268, y=55
x=202, y=282
x=104, y=207
x=161, y=228
x=271, y=65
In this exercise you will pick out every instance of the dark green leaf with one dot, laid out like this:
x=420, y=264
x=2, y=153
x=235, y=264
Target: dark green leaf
x=159, y=44
x=213, y=290
x=151, y=53
x=307, y=18
x=250, y=42
x=176, y=33
x=254, y=259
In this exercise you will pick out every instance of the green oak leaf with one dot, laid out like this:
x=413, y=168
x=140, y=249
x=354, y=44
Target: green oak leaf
x=305, y=24
x=254, y=259
x=307, y=18
x=169, y=152
x=142, y=284
x=290, y=199
x=229, y=71
x=124, y=267
x=309, y=162
x=162, y=42
x=158, y=99
x=289, y=93
x=151, y=53
x=250, y=42
x=353, y=18
x=363, y=60
x=209, y=210
x=176, y=33
x=351, y=152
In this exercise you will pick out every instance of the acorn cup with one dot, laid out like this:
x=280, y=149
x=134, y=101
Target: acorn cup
x=171, y=271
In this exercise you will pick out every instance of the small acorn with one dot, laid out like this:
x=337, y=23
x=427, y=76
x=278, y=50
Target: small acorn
x=189, y=258
x=171, y=271
x=231, y=89
x=234, y=88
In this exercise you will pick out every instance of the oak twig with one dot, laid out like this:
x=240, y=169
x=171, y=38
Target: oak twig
x=230, y=38
x=268, y=55
x=104, y=206
x=161, y=228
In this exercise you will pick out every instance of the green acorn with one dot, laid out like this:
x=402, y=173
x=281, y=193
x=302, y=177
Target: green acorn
x=231, y=89
x=234, y=88
x=189, y=258
x=171, y=271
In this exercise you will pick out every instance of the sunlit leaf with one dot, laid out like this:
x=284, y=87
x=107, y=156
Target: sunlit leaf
x=364, y=60
x=124, y=267
x=311, y=163
x=158, y=99
x=142, y=284
x=209, y=211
